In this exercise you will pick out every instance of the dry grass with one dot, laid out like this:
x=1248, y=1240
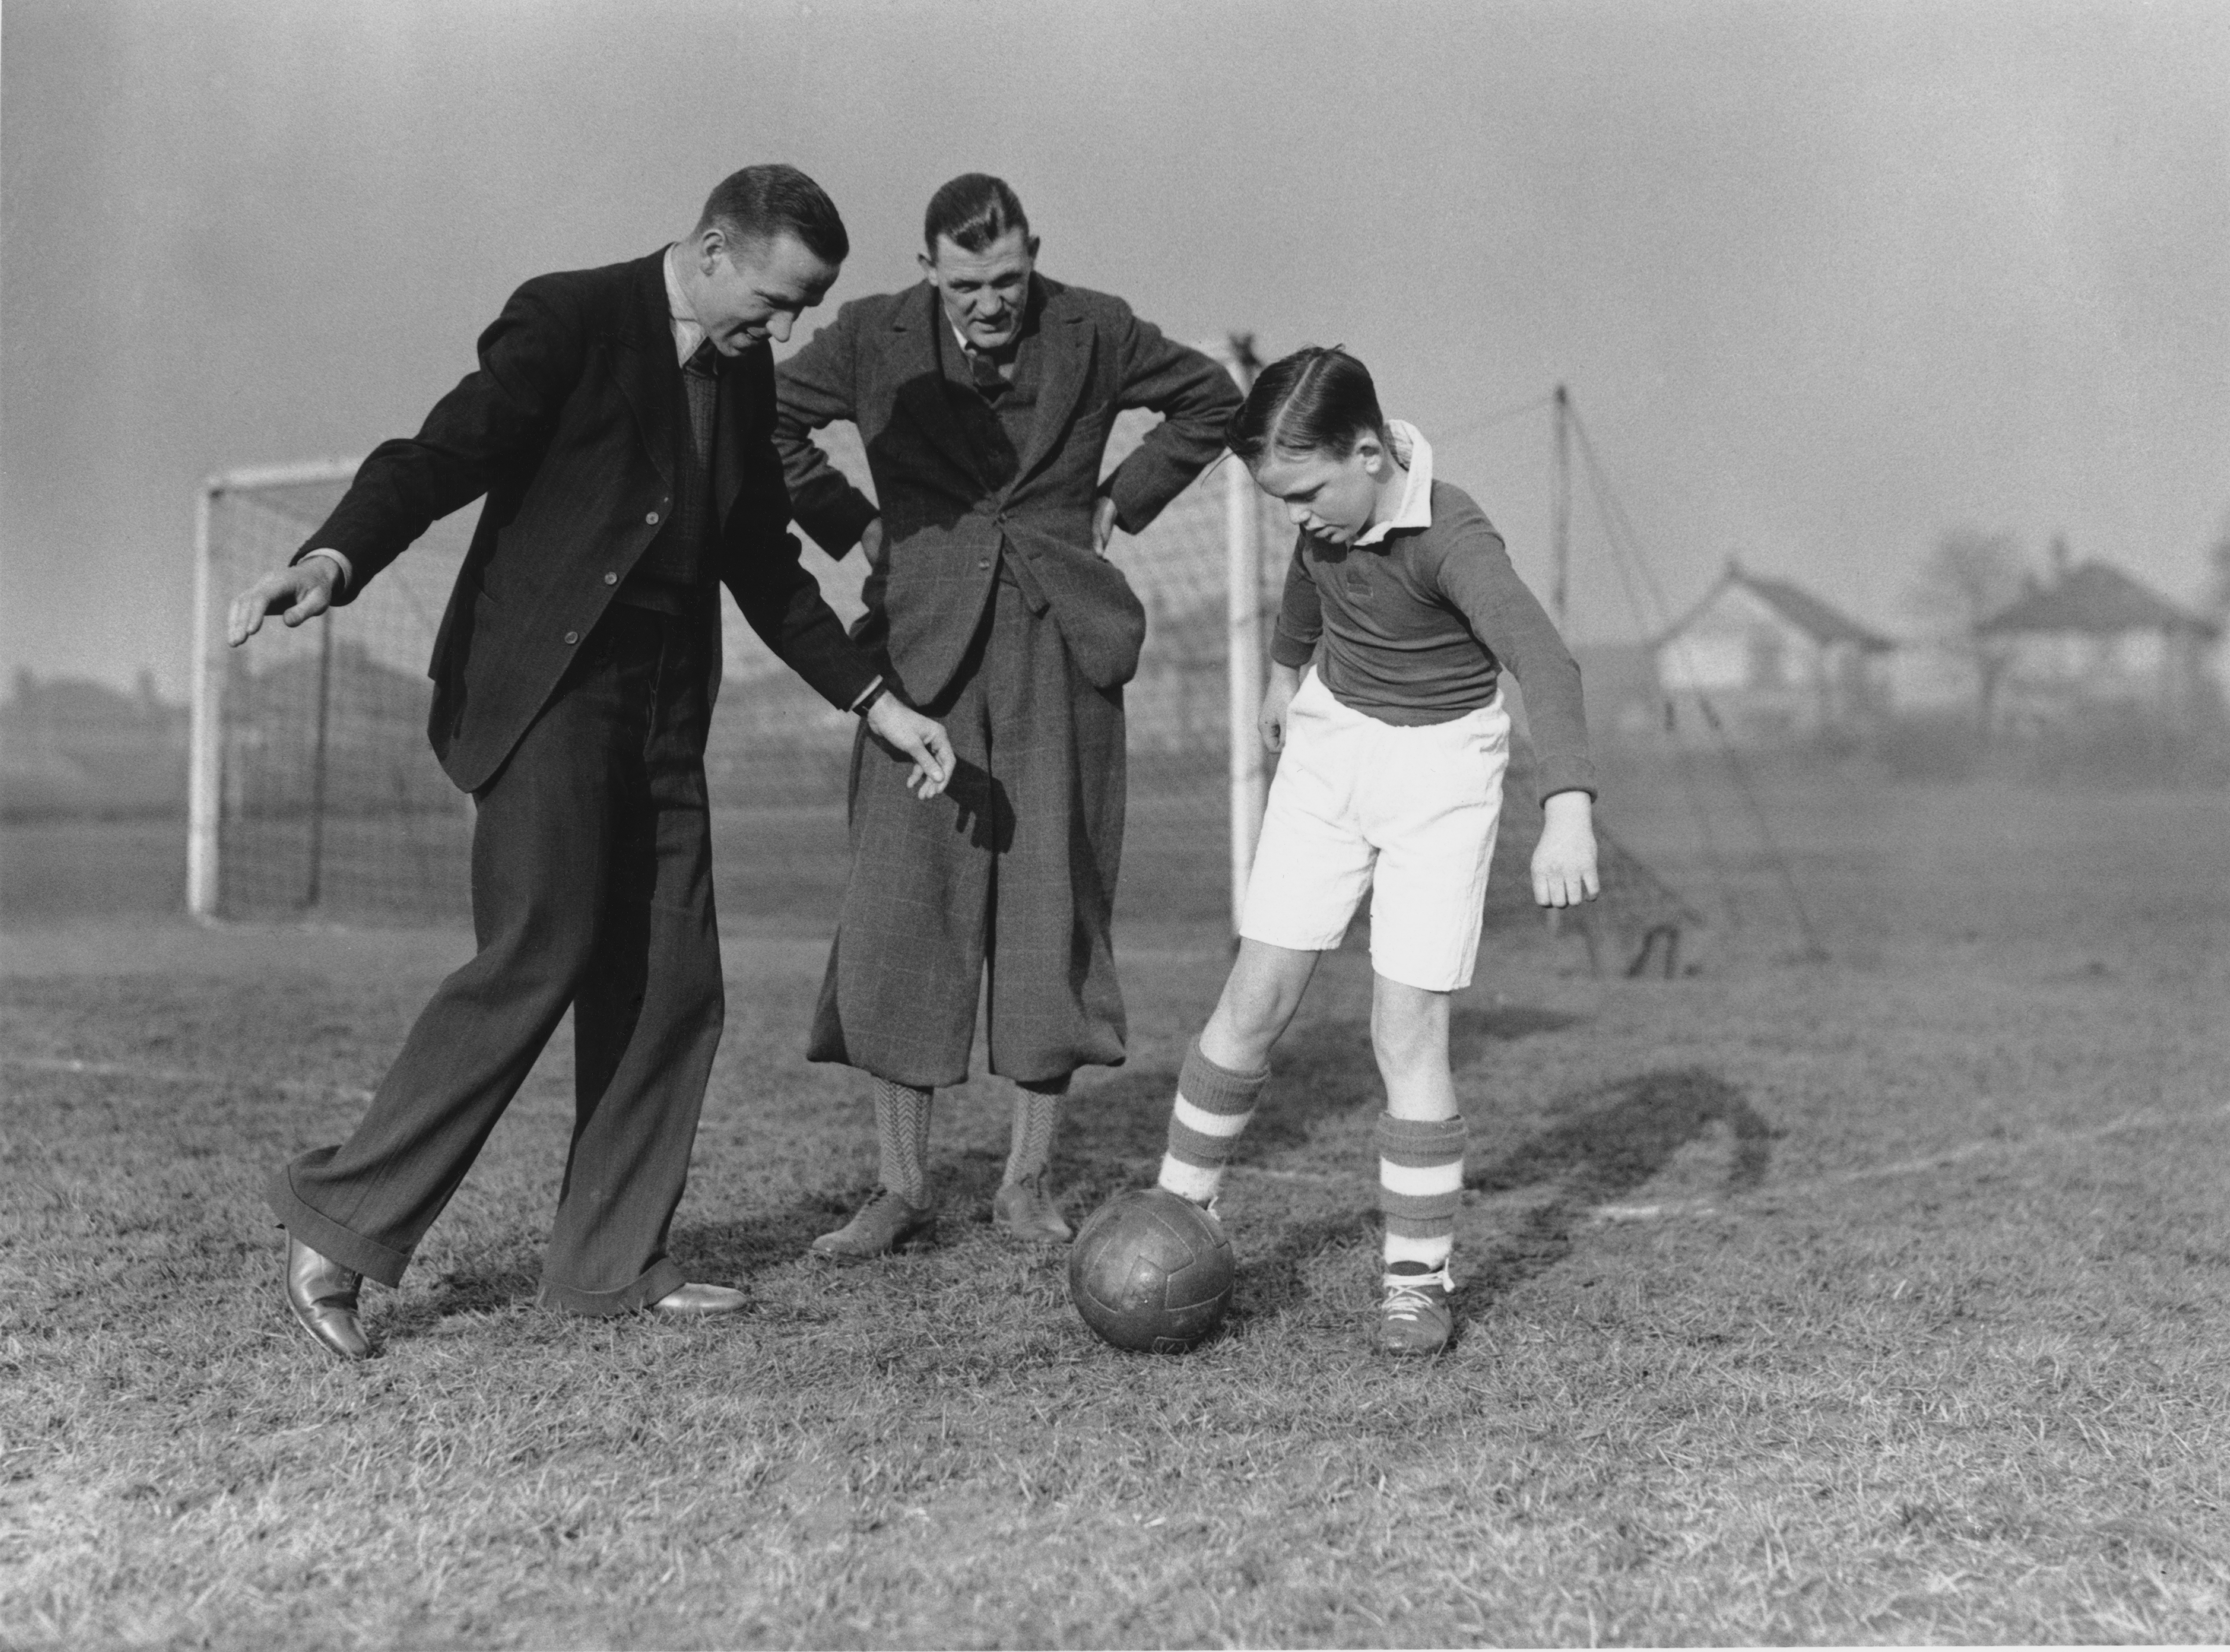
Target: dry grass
x=1878, y=1300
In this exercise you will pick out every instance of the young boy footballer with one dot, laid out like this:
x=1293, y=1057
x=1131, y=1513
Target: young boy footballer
x=1393, y=747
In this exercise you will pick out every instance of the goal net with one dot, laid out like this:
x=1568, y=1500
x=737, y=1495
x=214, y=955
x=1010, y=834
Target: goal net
x=315, y=795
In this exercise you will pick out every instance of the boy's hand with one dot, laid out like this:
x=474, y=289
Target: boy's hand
x=1277, y=695
x=871, y=543
x=919, y=738
x=1565, y=860
x=1103, y=524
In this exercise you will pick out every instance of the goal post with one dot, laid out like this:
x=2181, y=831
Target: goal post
x=1244, y=587
x=312, y=791
x=213, y=561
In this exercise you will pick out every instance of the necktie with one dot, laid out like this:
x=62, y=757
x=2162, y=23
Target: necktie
x=988, y=378
x=700, y=378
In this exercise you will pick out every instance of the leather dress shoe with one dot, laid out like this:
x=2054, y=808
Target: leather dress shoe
x=886, y=1223
x=698, y=1302
x=322, y=1295
x=1025, y=1211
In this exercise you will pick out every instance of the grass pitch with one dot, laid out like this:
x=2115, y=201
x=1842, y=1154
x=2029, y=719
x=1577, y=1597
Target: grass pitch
x=1881, y=1299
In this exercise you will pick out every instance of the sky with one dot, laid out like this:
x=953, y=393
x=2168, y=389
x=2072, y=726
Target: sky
x=1825, y=280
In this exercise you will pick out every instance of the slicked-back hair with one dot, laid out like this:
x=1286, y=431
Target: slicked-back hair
x=1313, y=401
x=761, y=203
x=972, y=211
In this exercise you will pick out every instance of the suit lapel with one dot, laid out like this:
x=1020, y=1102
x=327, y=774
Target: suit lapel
x=1066, y=340
x=920, y=394
x=644, y=366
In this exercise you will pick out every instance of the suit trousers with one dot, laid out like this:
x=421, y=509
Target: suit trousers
x=592, y=887
x=1002, y=891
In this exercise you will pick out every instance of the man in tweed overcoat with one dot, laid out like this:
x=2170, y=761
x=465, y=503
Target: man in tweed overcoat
x=984, y=397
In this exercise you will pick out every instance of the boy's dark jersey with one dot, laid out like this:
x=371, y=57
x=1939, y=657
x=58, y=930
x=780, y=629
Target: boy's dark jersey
x=1417, y=627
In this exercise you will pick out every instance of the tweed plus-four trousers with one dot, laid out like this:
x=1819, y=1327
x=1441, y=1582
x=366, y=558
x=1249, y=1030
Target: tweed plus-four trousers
x=592, y=887
x=1001, y=889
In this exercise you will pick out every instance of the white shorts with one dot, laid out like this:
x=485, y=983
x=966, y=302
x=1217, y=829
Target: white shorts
x=1409, y=814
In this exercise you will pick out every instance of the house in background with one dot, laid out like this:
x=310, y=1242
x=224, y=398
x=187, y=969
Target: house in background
x=2091, y=640
x=1773, y=661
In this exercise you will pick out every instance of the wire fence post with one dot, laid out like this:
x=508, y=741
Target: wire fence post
x=1242, y=547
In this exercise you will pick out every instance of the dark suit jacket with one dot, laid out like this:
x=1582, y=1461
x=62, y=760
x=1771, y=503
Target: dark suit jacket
x=570, y=426
x=944, y=524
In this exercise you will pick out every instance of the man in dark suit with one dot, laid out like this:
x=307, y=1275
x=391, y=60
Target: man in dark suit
x=619, y=423
x=984, y=397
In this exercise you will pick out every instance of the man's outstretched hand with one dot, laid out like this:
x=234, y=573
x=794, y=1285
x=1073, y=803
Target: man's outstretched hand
x=919, y=737
x=1565, y=859
x=296, y=594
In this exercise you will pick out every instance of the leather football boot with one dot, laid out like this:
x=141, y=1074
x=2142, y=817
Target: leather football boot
x=884, y=1223
x=1415, y=1317
x=695, y=1301
x=1025, y=1211
x=322, y=1295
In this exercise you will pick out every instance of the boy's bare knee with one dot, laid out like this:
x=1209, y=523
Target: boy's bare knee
x=1408, y=1025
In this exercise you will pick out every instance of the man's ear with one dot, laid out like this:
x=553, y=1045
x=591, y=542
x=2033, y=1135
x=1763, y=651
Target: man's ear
x=1032, y=243
x=928, y=266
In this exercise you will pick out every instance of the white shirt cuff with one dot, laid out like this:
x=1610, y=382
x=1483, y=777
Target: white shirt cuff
x=348, y=572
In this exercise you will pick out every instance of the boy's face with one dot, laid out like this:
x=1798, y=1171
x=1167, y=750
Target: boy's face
x=1325, y=495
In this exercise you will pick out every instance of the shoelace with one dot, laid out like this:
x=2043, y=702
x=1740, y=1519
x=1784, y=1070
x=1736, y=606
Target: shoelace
x=1409, y=1295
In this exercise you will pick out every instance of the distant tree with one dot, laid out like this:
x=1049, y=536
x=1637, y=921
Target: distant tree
x=2218, y=572
x=1971, y=574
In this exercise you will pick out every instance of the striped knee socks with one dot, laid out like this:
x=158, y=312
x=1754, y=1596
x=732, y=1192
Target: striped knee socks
x=1212, y=1106
x=902, y=1133
x=1037, y=1110
x=1420, y=1185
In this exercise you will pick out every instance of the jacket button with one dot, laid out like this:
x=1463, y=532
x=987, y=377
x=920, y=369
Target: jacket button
x=982, y=562
x=572, y=637
x=611, y=579
x=652, y=518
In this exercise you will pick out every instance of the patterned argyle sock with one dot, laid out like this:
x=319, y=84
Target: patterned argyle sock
x=1037, y=1111
x=902, y=1131
x=1420, y=1185
x=1212, y=1106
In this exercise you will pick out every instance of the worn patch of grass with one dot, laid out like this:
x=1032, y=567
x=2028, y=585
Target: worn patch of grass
x=1877, y=1301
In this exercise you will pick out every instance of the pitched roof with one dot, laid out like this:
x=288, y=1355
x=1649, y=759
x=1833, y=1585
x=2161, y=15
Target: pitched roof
x=2097, y=600
x=1816, y=619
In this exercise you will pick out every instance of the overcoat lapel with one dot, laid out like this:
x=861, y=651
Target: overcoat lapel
x=1067, y=339
x=920, y=393
x=644, y=367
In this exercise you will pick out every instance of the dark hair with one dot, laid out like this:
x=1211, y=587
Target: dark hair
x=1312, y=400
x=972, y=211
x=763, y=201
